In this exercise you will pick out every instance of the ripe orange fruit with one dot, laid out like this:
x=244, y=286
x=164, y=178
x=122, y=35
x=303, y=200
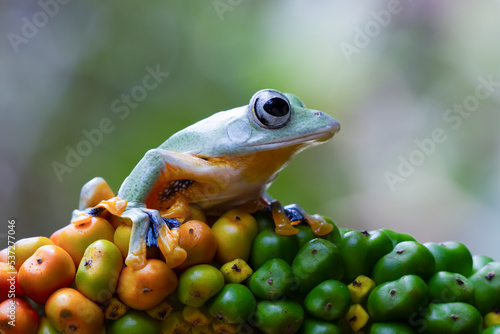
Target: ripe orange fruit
x=76, y=238
x=69, y=311
x=24, y=248
x=9, y=283
x=55, y=236
x=17, y=317
x=145, y=288
x=199, y=242
x=48, y=269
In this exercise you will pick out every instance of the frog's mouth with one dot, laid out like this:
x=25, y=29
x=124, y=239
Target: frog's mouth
x=307, y=140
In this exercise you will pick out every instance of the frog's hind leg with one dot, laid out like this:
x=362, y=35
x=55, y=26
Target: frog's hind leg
x=285, y=217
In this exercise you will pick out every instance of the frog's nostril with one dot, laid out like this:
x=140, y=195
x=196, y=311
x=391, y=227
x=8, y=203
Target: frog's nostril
x=317, y=113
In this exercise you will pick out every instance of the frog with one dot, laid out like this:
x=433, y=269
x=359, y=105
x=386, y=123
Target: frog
x=225, y=161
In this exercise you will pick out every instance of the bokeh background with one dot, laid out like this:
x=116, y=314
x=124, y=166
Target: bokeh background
x=388, y=71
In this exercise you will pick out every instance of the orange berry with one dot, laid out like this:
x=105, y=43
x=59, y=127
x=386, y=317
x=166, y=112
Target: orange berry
x=145, y=288
x=48, y=269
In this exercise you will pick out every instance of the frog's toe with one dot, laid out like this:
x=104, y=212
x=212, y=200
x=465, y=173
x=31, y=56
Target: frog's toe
x=79, y=217
x=281, y=220
x=318, y=225
x=114, y=206
x=136, y=260
x=93, y=192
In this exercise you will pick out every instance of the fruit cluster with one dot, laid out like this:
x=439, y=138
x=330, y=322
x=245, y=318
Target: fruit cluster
x=242, y=277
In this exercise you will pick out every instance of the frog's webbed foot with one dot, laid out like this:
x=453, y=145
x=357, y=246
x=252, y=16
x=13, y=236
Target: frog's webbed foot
x=318, y=225
x=93, y=192
x=149, y=228
x=115, y=206
x=293, y=214
x=96, y=199
x=166, y=234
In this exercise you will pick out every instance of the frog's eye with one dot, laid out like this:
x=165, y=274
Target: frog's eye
x=270, y=109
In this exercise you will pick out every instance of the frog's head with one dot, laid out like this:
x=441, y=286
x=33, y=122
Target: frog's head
x=272, y=120
x=280, y=120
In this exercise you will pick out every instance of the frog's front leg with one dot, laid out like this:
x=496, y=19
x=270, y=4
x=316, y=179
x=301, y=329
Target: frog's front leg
x=166, y=239
x=156, y=170
x=136, y=257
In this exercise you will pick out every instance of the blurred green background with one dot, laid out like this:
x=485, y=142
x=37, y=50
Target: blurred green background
x=390, y=72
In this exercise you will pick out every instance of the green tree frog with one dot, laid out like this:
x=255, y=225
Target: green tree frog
x=225, y=161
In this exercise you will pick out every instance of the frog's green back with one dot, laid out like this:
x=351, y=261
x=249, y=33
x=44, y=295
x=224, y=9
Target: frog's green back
x=207, y=137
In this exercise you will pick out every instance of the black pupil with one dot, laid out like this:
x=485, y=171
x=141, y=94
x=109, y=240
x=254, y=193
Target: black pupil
x=276, y=107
